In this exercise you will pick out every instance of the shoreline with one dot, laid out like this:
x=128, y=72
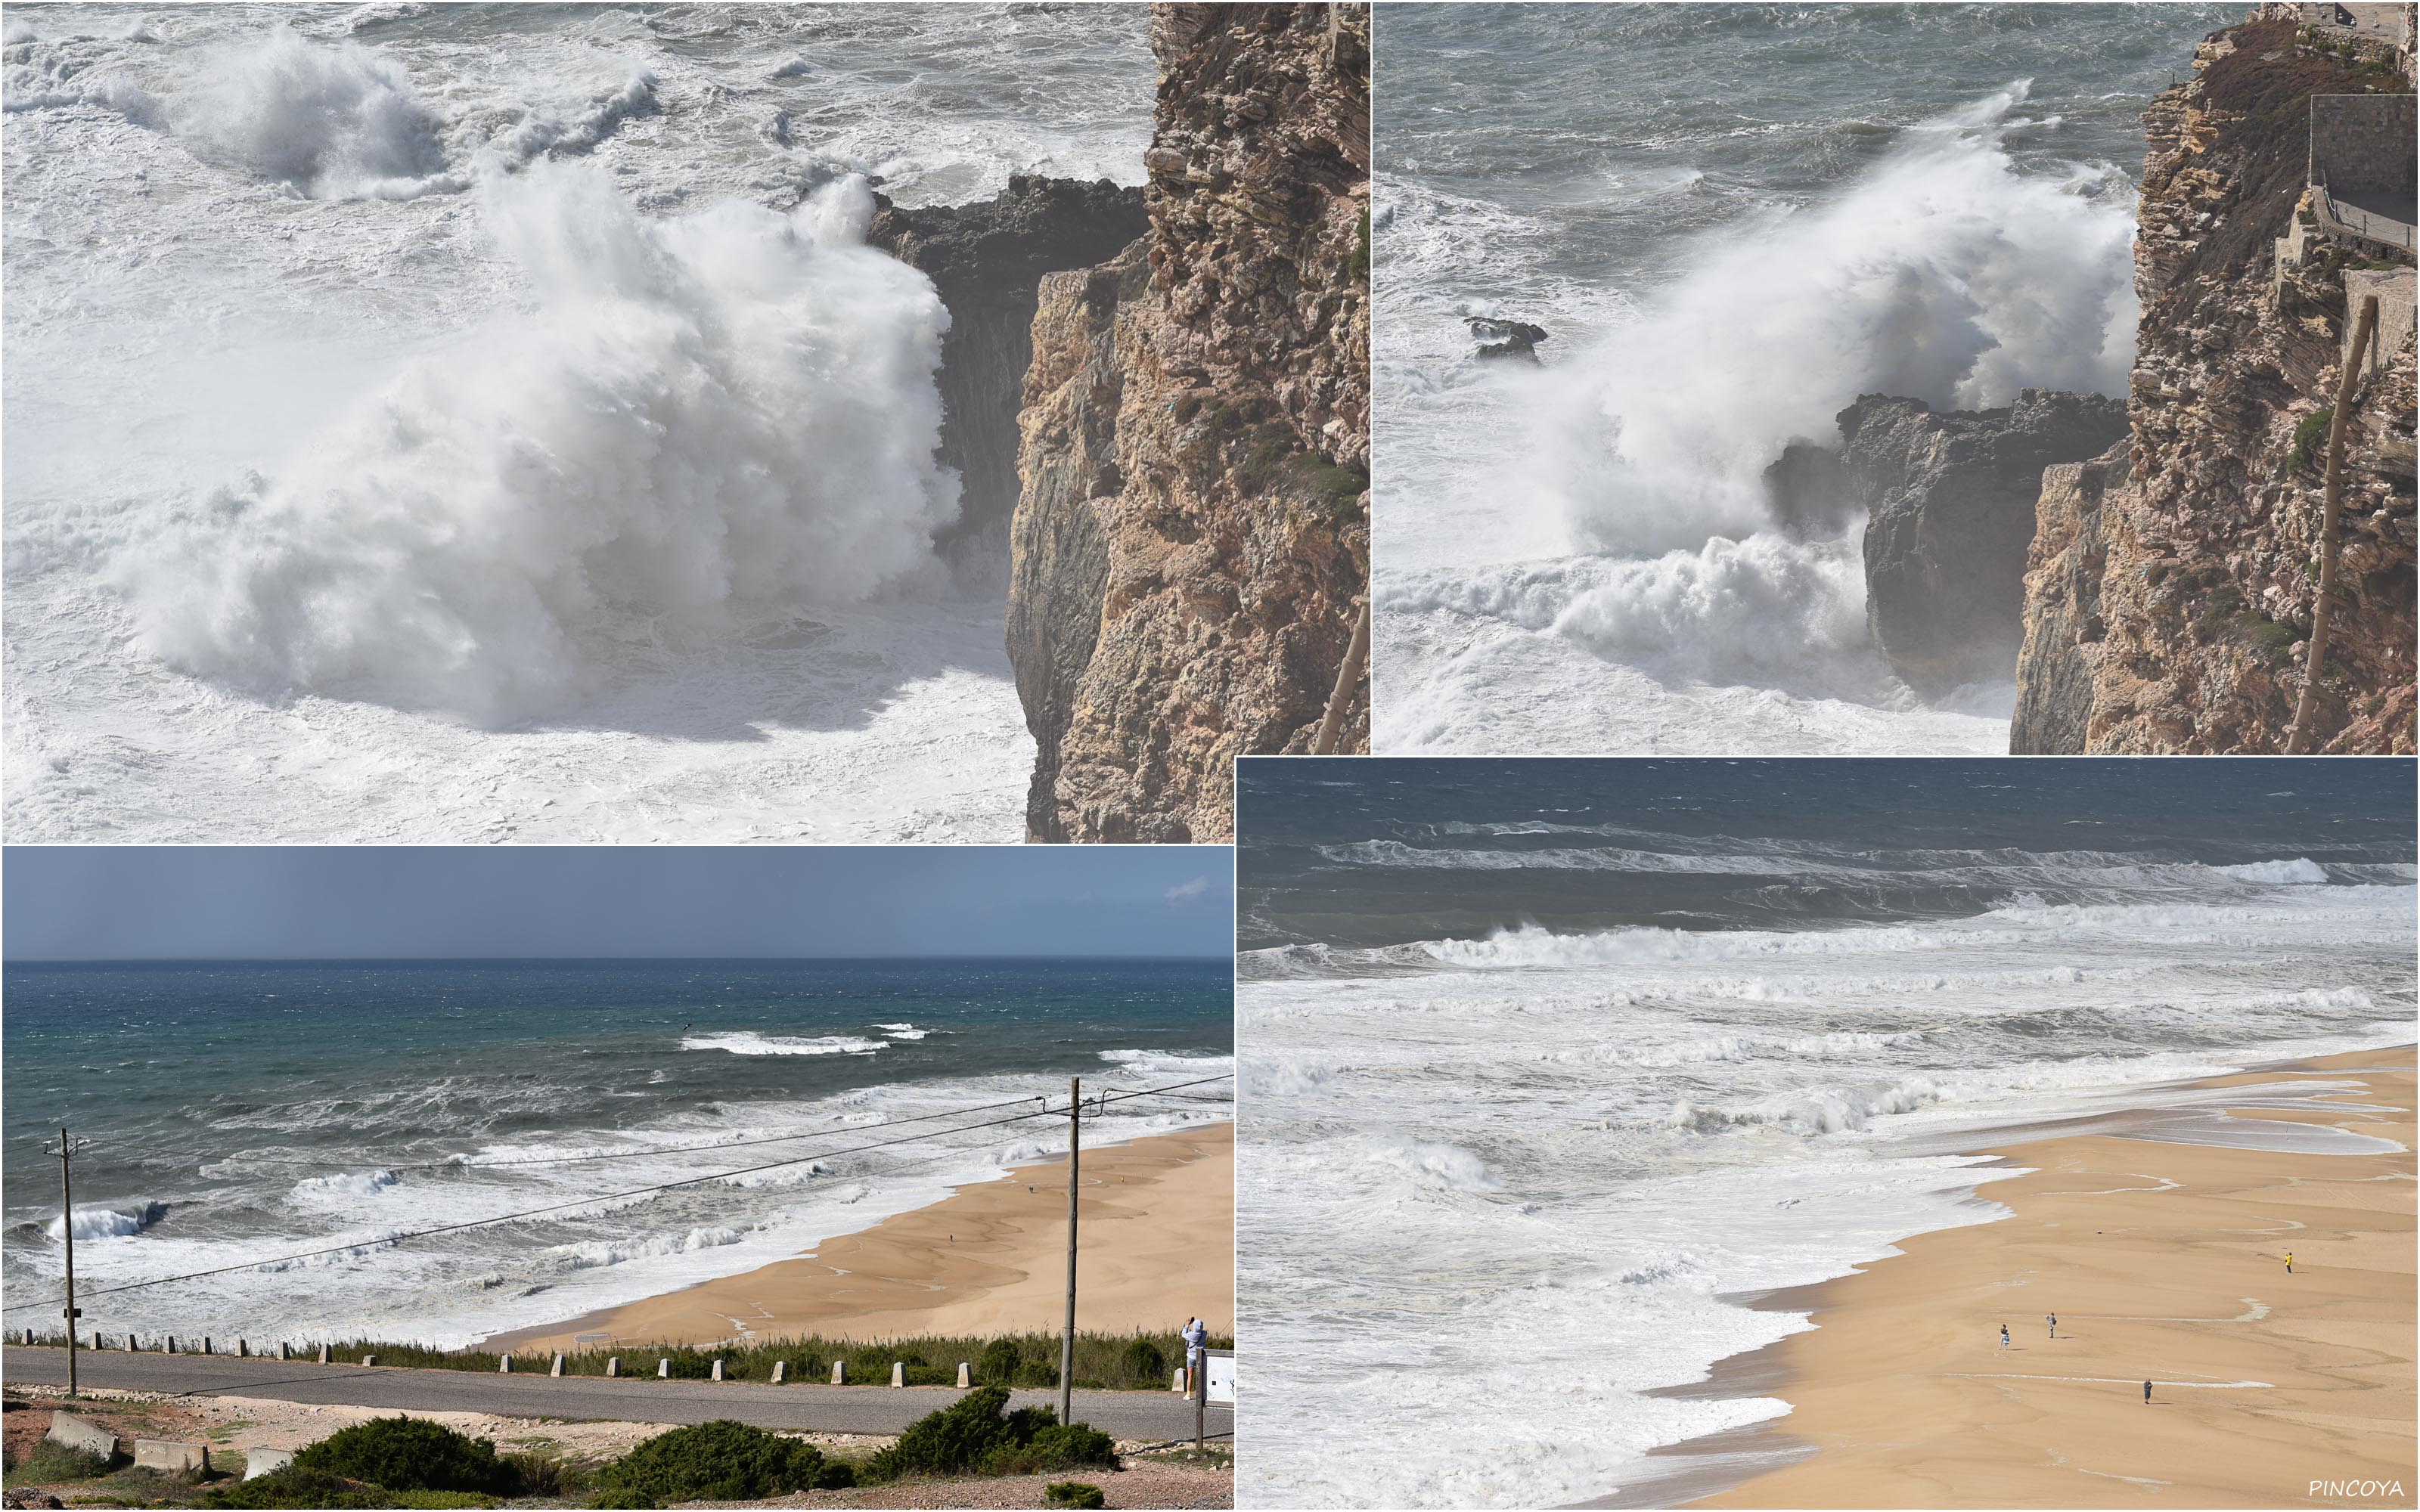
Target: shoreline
x=1893, y=1402
x=1156, y=1224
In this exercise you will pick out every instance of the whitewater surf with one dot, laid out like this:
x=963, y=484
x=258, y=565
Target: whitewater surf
x=434, y=422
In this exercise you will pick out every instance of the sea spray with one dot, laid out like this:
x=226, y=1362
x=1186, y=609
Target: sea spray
x=329, y=122
x=1943, y=274
x=729, y=407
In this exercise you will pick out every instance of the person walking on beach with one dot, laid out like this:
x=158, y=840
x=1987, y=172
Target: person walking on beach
x=2289, y=1262
x=2053, y=1321
x=2004, y=1335
x=2147, y=1394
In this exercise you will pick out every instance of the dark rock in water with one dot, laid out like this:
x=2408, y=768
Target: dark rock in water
x=988, y=260
x=1516, y=339
x=1950, y=500
x=1811, y=492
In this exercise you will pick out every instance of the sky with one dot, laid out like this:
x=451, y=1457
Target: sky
x=91, y=902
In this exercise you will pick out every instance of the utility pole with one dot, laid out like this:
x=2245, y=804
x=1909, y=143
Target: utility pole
x=1067, y=1340
x=65, y=1149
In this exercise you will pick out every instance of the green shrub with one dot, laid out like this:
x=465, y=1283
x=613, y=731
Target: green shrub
x=409, y=1454
x=998, y=1363
x=978, y=1433
x=49, y=1461
x=719, y=1461
x=2312, y=432
x=298, y=1486
x=1143, y=1358
x=1072, y=1446
x=1073, y=1493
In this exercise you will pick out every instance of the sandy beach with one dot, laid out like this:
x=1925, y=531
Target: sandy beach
x=2161, y=1261
x=1156, y=1228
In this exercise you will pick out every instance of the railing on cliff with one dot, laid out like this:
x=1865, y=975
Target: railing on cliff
x=2370, y=226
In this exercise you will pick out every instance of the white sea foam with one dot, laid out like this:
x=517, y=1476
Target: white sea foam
x=110, y=1223
x=733, y=407
x=747, y=1042
x=1667, y=611
x=330, y=122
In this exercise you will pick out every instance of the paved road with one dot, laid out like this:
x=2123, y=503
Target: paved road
x=1123, y=1414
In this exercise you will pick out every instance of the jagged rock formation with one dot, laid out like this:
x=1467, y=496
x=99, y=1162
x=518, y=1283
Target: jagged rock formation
x=988, y=260
x=1500, y=339
x=1949, y=499
x=1192, y=540
x=2169, y=598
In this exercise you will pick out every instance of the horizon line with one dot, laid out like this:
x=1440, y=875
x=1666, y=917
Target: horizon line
x=345, y=959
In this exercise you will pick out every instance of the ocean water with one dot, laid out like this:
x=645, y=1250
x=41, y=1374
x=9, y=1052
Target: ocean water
x=245, y=1111
x=1732, y=220
x=477, y=422
x=1545, y=1062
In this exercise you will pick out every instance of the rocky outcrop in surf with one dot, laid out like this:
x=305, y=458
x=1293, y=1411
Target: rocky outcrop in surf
x=2169, y=598
x=988, y=260
x=1192, y=543
x=1949, y=510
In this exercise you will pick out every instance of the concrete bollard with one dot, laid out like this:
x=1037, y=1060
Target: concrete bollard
x=285, y=1351
x=663, y=1370
x=504, y=1365
x=259, y=1462
x=76, y=1433
x=898, y=1373
x=557, y=1368
x=1178, y=1384
x=206, y=1344
x=369, y=1359
x=612, y=1368
x=243, y=1348
x=840, y=1372
x=717, y=1370
x=966, y=1375
x=781, y=1371
x=168, y=1346
x=168, y=1455
x=325, y=1352
x=130, y=1345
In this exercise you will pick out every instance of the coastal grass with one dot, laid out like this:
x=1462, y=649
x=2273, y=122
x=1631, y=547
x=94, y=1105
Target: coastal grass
x=1104, y=1362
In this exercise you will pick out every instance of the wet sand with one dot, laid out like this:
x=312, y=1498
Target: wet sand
x=1157, y=1227
x=2161, y=1261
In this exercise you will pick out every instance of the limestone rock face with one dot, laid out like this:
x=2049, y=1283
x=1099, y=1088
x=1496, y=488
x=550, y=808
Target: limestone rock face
x=2168, y=605
x=1192, y=543
x=986, y=260
x=1950, y=500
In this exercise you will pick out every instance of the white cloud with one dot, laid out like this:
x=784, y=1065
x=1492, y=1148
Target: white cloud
x=1184, y=890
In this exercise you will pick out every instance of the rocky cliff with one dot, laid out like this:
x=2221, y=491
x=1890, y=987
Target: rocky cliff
x=2170, y=584
x=1191, y=542
x=986, y=260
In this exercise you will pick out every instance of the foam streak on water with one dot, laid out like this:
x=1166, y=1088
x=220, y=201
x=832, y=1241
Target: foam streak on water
x=1545, y=1062
x=1728, y=241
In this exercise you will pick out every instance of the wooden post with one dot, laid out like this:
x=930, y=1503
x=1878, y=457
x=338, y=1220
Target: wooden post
x=1348, y=675
x=1201, y=1391
x=1067, y=1340
x=2297, y=739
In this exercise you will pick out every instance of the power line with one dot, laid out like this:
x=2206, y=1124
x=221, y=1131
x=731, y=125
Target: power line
x=613, y=1196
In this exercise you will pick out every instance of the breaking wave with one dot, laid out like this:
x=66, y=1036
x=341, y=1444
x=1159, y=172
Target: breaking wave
x=747, y=1042
x=734, y=408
